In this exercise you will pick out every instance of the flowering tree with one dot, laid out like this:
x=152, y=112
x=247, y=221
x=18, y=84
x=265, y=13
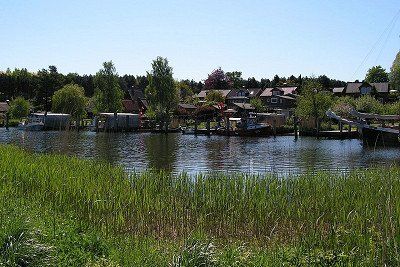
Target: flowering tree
x=217, y=80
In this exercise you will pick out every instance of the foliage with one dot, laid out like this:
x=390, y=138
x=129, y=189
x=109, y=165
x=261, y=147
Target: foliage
x=313, y=102
x=258, y=104
x=196, y=253
x=395, y=73
x=19, y=108
x=214, y=97
x=185, y=92
x=235, y=77
x=217, y=80
x=49, y=81
x=368, y=104
x=71, y=100
x=161, y=92
x=342, y=106
x=377, y=74
x=108, y=93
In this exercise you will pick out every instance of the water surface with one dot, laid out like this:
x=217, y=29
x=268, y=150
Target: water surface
x=175, y=152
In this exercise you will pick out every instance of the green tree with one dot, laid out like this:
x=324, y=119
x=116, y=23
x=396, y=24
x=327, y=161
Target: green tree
x=71, y=100
x=395, y=73
x=236, y=78
x=257, y=104
x=368, y=104
x=377, y=74
x=214, y=96
x=313, y=102
x=185, y=92
x=108, y=93
x=19, y=108
x=161, y=92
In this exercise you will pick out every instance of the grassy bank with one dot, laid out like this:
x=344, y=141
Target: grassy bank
x=79, y=212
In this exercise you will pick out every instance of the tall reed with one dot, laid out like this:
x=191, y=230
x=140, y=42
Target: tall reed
x=356, y=210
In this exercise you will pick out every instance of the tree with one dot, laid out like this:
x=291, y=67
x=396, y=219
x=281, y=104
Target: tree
x=214, y=97
x=161, y=92
x=108, y=93
x=49, y=81
x=217, y=80
x=71, y=100
x=257, y=104
x=369, y=104
x=236, y=78
x=19, y=108
x=395, y=73
x=184, y=91
x=252, y=83
x=313, y=102
x=377, y=74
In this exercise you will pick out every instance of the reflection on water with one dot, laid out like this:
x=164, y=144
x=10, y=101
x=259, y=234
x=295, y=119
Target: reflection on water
x=177, y=153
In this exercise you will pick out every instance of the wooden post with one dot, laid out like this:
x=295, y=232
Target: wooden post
x=7, y=120
x=208, y=127
x=349, y=128
x=274, y=127
x=115, y=122
x=228, y=126
x=195, y=126
x=96, y=124
x=296, y=129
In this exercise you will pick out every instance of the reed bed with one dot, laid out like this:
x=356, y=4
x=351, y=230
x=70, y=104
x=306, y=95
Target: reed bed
x=358, y=211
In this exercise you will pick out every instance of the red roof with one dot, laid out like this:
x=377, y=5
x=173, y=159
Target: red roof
x=128, y=105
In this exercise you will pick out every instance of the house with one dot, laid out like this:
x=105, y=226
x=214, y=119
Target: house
x=203, y=93
x=254, y=92
x=356, y=89
x=338, y=91
x=279, y=98
x=128, y=106
x=237, y=96
x=139, y=102
x=243, y=109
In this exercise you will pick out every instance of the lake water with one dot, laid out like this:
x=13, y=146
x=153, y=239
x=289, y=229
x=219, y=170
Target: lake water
x=192, y=154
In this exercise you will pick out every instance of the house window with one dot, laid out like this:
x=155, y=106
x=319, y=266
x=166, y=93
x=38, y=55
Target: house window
x=275, y=93
x=274, y=100
x=365, y=90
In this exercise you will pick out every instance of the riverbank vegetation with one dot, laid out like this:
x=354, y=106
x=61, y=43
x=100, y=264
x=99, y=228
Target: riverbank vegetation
x=60, y=210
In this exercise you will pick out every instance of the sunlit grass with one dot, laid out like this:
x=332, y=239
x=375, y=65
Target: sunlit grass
x=350, y=213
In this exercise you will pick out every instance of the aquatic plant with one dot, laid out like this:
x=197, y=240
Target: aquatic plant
x=327, y=216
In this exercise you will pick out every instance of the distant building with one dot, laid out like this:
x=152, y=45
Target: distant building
x=237, y=96
x=279, y=97
x=138, y=104
x=202, y=95
x=356, y=89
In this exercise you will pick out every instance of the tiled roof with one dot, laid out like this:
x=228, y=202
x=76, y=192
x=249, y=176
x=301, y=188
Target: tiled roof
x=354, y=87
x=338, y=90
x=203, y=93
x=128, y=105
x=245, y=106
x=267, y=92
x=253, y=92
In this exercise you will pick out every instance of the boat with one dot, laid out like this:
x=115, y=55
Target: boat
x=380, y=136
x=250, y=127
x=245, y=127
x=33, y=124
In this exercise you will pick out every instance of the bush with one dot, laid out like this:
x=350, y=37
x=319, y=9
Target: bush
x=19, y=108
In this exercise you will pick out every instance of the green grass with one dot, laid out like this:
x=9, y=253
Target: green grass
x=75, y=212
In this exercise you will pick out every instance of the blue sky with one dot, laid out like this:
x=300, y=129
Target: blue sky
x=259, y=38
